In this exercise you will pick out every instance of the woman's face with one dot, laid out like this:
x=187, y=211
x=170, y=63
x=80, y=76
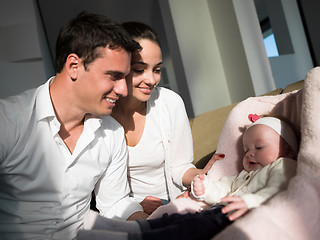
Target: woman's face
x=145, y=71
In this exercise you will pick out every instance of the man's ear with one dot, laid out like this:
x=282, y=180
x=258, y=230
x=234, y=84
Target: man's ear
x=73, y=65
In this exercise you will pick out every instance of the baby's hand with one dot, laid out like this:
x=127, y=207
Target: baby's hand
x=197, y=185
x=236, y=205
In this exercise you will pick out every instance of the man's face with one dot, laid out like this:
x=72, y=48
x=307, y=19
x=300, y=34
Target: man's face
x=99, y=87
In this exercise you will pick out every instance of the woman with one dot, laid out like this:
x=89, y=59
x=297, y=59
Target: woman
x=156, y=128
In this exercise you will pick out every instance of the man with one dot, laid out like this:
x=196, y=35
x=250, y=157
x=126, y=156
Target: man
x=57, y=143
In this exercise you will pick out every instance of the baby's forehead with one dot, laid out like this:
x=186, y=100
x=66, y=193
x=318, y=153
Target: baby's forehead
x=259, y=132
x=259, y=128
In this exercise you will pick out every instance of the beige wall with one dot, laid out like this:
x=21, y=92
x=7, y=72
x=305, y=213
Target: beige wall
x=292, y=67
x=21, y=64
x=254, y=49
x=222, y=57
x=200, y=55
x=223, y=54
x=212, y=52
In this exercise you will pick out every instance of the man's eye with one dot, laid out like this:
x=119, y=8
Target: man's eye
x=258, y=148
x=116, y=77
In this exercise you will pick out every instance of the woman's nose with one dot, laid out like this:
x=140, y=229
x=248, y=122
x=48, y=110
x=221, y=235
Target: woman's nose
x=150, y=78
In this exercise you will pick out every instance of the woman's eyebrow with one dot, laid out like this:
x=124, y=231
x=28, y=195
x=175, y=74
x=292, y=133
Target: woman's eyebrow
x=143, y=63
x=139, y=62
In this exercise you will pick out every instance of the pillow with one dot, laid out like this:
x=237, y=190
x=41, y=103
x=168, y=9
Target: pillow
x=230, y=142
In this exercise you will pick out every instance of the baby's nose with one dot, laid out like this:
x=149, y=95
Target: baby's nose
x=249, y=154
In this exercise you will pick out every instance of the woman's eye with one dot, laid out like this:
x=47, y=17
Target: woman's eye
x=258, y=148
x=138, y=70
x=157, y=70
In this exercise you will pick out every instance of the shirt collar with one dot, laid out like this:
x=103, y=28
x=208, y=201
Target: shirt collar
x=44, y=107
x=93, y=121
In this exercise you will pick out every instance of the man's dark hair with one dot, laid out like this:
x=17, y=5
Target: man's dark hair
x=83, y=36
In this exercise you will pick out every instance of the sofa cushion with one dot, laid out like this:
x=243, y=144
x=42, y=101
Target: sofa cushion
x=293, y=86
x=205, y=143
x=274, y=92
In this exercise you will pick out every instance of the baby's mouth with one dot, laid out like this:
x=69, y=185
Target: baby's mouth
x=252, y=162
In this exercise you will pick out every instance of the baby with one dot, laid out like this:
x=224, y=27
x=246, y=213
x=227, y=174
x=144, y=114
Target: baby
x=270, y=147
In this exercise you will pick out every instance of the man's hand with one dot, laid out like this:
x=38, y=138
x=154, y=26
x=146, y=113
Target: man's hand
x=237, y=205
x=150, y=204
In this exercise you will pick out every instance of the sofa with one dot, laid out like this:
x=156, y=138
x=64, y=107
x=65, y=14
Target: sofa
x=206, y=127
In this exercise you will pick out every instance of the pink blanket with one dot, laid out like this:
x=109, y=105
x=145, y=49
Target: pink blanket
x=294, y=213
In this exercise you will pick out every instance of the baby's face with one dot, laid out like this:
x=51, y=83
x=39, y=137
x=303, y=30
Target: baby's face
x=262, y=146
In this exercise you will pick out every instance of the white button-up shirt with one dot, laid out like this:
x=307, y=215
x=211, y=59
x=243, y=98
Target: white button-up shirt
x=44, y=189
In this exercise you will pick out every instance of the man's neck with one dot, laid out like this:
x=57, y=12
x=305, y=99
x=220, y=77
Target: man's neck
x=70, y=118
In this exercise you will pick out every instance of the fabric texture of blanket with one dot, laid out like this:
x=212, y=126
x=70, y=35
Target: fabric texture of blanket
x=294, y=213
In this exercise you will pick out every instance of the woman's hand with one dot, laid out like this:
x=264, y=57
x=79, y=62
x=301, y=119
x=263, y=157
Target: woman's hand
x=192, y=172
x=237, y=205
x=186, y=194
x=215, y=157
x=150, y=204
